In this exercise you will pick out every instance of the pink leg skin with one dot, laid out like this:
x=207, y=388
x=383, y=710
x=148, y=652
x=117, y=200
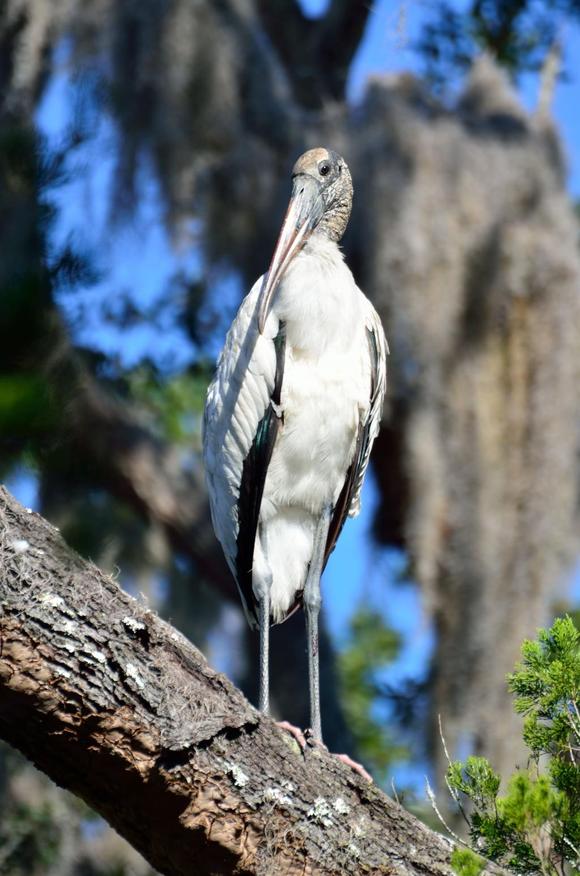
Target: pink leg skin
x=304, y=739
x=296, y=732
x=357, y=767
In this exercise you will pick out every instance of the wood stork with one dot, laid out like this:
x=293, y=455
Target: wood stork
x=292, y=413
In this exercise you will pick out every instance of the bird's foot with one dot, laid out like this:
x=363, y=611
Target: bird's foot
x=357, y=767
x=307, y=738
x=296, y=732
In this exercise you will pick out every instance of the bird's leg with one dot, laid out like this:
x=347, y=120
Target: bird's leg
x=264, y=621
x=312, y=602
x=262, y=586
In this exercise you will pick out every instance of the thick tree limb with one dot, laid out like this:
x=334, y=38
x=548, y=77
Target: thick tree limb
x=316, y=53
x=117, y=706
x=341, y=31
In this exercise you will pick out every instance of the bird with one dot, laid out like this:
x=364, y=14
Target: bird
x=292, y=412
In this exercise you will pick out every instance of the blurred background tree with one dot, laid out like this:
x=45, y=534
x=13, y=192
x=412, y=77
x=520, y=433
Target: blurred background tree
x=145, y=149
x=518, y=34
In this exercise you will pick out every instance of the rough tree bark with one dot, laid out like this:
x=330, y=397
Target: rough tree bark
x=117, y=706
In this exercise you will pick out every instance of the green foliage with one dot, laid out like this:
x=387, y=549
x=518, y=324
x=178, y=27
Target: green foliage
x=475, y=778
x=535, y=826
x=176, y=403
x=530, y=802
x=372, y=645
x=26, y=405
x=466, y=863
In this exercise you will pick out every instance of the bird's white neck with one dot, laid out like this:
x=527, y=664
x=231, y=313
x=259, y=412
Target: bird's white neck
x=316, y=298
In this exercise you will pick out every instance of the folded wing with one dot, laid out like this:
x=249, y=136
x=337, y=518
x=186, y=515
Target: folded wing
x=241, y=422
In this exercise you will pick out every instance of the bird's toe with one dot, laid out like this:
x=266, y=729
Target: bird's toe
x=296, y=732
x=357, y=767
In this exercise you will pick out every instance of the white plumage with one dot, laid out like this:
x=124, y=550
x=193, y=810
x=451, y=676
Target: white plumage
x=292, y=412
x=326, y=395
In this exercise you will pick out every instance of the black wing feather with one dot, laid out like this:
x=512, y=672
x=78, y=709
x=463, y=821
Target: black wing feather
x=254, y=473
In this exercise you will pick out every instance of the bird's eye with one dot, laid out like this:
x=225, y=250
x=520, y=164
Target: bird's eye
x=324, y=168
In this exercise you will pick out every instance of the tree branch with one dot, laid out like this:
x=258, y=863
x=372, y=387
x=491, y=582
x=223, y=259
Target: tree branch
x=288, y=39
x=115, y=705
x=341, y=31
x=315, y=52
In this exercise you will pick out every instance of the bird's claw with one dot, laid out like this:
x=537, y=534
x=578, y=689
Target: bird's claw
x=307, y=738
x=312, y=741
x=357, y=767
x=296, y=732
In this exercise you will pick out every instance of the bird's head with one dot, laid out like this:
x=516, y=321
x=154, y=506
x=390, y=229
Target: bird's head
x=323, y=179
x=320, y=203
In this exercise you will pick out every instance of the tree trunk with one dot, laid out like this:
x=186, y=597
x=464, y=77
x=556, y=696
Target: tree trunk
x=117, y=706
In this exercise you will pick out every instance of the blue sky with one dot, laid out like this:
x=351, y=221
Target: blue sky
x=140, y=258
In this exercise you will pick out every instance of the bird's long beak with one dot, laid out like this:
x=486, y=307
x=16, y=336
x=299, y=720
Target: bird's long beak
x=303, y=215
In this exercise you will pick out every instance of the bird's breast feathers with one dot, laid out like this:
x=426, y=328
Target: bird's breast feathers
x=323, y=401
